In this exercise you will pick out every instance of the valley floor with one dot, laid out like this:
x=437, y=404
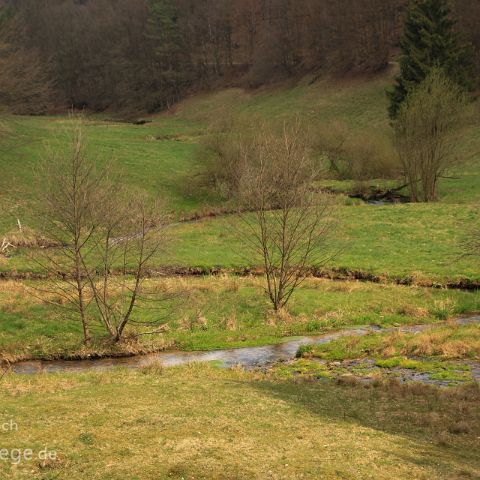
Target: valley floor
x=199, y=422
x=339, y=411
x=206, y=313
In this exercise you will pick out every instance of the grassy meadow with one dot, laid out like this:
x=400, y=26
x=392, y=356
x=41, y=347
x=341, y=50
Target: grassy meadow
x=161, y=158
x=412, y=243
x=156, y=423
x=326, y=414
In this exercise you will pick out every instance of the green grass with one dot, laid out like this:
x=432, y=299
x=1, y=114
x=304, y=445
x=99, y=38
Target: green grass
x=398, y=241
x=222, y=312
x=401, y=241
x=163, y=168
x=403, y=369
x=205, y=423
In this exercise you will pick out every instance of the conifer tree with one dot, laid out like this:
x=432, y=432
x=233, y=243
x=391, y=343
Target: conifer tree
x=168, y=52
x=430, y=41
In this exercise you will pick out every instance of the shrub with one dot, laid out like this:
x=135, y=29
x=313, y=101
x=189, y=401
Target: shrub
x=358, y=156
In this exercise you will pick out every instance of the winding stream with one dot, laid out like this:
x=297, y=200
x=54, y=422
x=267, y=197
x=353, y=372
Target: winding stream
x=248, y=357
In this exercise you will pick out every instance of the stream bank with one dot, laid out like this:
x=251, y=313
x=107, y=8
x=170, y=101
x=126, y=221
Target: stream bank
x=249, y=357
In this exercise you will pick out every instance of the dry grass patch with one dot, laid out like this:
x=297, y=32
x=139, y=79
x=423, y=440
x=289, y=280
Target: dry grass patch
x=413, y=312
x=448, y=342
x=445, y=342
x=198, y=422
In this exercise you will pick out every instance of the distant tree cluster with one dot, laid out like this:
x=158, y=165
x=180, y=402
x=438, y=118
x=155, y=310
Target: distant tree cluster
x=428, y=102
x=146, y=54
x=430, y=41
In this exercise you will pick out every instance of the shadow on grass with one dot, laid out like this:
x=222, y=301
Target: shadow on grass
x=443, y=424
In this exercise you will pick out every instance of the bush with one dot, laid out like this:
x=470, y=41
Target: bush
x=358, y=156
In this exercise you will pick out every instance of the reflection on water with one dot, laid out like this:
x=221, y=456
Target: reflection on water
x=248, y=357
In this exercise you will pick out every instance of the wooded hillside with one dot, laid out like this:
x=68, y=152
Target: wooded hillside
x=146, y=54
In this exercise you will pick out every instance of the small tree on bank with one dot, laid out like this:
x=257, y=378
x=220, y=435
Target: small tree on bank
x=127, y=240
x=290, y=223
x=71, y=192
x=426, y=132
x=430, y=41
x=104, y=239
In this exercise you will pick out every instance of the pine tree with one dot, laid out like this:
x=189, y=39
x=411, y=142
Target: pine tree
x=170, y=61
x=430, y=41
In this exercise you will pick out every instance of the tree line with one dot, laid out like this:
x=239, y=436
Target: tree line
x=144, y=55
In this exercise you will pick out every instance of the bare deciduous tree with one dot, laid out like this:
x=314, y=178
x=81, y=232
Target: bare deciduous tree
x=71, y=193
x=290, y=223
x=426, y=132
x=128, y=238
x=104, y=239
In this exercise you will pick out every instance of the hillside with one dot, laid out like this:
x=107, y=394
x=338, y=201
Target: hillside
x=162, y=158
x=239, y=239
x=133, y=56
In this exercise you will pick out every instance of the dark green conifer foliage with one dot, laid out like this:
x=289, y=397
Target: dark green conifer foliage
x=430, y=41
x=170, y=62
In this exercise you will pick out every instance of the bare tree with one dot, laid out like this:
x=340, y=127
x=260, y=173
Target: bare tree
x=104, y=240
x=129, y=237
x=71, y=192
x=290, y=223
x=426, y=132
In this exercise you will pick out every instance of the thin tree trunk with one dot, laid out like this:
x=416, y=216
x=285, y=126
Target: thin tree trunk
x=81, y=300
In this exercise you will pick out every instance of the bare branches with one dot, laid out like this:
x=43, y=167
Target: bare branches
x=288, y=229
x=426, y=132
x=105, y=238
x=131, y=236
x=6, y=246
x=71, y=192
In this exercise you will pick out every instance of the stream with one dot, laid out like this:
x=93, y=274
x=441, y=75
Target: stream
x=247, y=357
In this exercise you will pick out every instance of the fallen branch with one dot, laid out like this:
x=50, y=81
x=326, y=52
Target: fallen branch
x=5, y=246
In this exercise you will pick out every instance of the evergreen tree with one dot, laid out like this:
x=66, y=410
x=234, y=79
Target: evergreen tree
x=430, y=41
x=170, y=62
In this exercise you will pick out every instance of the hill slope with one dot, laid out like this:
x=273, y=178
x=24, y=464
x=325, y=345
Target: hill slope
x=161, y=159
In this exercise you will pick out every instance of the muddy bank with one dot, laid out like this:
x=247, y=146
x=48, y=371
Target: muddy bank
x=378, y=196
x=340, y=274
